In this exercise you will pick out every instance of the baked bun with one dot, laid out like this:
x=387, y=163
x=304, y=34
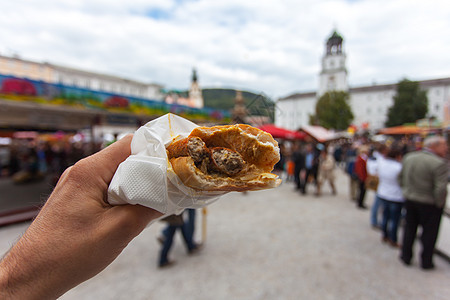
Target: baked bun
x=226, y=158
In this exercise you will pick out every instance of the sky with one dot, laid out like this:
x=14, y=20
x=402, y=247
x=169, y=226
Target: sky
x=273, y=47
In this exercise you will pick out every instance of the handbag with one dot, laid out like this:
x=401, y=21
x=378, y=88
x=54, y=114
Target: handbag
x=372, y=182
x=174, y=220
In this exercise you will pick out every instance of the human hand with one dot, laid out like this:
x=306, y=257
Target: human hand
x=76, y=234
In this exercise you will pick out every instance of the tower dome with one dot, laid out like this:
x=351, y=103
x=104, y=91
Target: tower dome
x=334, y=43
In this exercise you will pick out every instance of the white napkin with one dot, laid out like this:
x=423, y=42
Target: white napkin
x=146, y=176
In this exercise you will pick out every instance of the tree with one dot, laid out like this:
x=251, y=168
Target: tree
x=410, y=104
x=333, y=111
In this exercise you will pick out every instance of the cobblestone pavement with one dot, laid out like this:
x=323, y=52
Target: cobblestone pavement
x=275, y=244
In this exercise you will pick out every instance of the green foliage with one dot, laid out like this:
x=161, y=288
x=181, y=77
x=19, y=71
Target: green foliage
x=410, y=104
x=333, y=111
x=224, y=99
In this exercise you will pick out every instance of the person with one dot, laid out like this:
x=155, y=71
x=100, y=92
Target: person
x=299, y=161
x=76, y=234
x=187, y=230
x=326, y=171
x=361, y=173
x=372, y=169
x=279, y=166
x=350, y=170
x=290, y=169
x=390, y=194
x=311, y=167
x=337, y=154
x=424, y=184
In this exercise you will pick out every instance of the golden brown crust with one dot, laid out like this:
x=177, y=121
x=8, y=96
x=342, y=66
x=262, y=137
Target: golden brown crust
x=178, y=148
x=192, y=177
x=258, y=148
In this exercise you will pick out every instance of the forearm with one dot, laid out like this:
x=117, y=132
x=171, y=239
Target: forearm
x=25, y=275
x=76, y=234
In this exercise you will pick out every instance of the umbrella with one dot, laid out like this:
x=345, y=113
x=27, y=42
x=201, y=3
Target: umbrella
x=282, y=133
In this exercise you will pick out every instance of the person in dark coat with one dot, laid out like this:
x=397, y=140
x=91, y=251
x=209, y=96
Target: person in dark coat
x=424, y=179
x=311, y=166
x=299, y=162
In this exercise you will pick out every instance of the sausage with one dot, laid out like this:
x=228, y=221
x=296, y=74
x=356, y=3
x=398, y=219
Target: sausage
x=215, y=160
x=197, y=149
x=226, y=161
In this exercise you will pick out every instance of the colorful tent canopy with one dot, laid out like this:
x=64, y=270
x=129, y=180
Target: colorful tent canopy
x=402, y=129
x=281, y=133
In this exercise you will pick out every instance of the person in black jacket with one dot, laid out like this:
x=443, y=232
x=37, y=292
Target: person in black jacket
x=311, y=165
x=299, y=161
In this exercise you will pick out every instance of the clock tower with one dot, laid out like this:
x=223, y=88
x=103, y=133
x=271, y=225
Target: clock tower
x=333, y=76
x=195, y=93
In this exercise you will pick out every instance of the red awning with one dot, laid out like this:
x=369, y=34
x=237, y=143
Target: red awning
x=281, y=133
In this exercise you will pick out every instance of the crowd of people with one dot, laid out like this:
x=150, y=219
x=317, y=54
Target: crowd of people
x=409, y=179
x=307, y=164
x=25, y=160
x=45, y=264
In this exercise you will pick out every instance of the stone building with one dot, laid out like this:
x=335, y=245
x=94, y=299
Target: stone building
x=370, y=104
x=52, y=73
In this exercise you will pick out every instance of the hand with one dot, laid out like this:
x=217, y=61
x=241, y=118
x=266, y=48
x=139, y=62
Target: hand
x=76, y=234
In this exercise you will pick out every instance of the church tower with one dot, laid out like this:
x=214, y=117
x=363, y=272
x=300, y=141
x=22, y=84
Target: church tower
x=239, y=112
x=333, y=76
x=195, y=93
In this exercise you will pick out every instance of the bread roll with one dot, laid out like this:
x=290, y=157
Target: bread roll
x=226, y=158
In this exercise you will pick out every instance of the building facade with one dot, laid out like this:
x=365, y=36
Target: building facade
x=51, y=73
x=369, y=104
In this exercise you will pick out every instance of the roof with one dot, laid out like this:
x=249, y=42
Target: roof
x=319, y=133
x=405, y=129
x=335, y=38
x=299, y=95
x=282, y=133
x=373, y=88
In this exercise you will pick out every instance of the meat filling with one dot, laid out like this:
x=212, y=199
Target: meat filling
x=227, y=161
x=197, y=150
x=217, y=160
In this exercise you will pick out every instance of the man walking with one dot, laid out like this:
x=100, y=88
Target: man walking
x=424, y=184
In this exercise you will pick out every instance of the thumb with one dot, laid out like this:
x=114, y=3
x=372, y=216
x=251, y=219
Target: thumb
x=132, y=218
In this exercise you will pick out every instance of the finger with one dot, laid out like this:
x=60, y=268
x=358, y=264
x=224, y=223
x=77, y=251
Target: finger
x=106, y=161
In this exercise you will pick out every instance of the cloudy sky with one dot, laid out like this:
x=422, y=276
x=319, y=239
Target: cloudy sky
x=266, y=46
